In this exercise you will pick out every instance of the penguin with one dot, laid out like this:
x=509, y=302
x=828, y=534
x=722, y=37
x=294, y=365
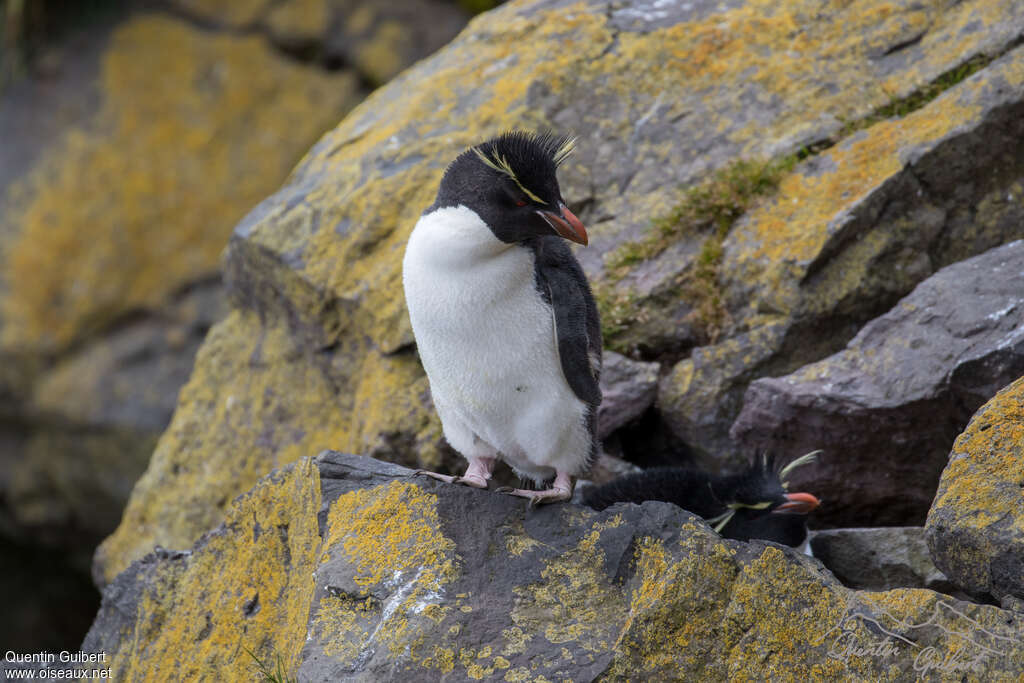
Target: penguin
x=504, y=319
x=754, y=503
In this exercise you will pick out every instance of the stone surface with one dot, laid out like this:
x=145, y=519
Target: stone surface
x=401, y=578
x=879, y=558
x=144, y=173
x=885, y=410
x=374, y=39
x=319, y=262
x=117, y=194
x=975, y=527
x=628, y=388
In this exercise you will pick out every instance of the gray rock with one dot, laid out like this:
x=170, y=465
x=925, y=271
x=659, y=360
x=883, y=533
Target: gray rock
x=886, y=410
x=975, y=528
x=411, y=579
x=628, y=387
x=879, y=558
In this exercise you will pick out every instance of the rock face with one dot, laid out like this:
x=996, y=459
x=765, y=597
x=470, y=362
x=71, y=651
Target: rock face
x=628, y=388
x=885, y=409
x=111, y=237
x=399, y=578
x=129, y=152
x=899, y=183
x=975, y=528
x=879, y=558
x=374, y=39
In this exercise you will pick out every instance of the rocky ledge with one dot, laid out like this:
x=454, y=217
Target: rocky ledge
x=346, y=568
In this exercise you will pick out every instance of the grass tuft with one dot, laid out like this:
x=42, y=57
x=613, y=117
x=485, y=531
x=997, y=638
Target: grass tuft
x=710, y=208
x=278, y=675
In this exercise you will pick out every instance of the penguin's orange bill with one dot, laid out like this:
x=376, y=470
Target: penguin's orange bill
x=566, y=224
x=801, y=503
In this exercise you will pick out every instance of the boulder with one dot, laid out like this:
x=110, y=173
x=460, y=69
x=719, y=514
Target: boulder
x=975, y=527
x=343, y=568
x=316, y=266
x=886, y=409
x=879, y=558
x=375, y=40
x=628, y=388
x=117, y=194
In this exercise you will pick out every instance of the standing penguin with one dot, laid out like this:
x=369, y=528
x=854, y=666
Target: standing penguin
x=504, y=320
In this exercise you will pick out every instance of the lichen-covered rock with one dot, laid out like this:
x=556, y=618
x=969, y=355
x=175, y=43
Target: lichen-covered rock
x=405, y=578
x=96, y=416
x=879, y=558
x=159, y=175
x=975, y=527
x=886, y=409
x=118, y=189
x=245, y=585
x=755, y=78
x=852, y=230
x=374, y=39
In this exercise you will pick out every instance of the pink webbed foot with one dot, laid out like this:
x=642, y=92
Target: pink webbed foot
x=561, y=490
x=477, y=474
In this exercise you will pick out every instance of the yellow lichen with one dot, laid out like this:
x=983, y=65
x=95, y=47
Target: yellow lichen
x=391, y=535
x=247, y=587
x=574, y=600
x=145, y=195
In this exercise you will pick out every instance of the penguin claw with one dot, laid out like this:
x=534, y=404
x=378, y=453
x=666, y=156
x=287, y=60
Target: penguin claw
x=471, y=481
x=446, y=478
x=504, y=489
x=476, y=482
x=535, y=498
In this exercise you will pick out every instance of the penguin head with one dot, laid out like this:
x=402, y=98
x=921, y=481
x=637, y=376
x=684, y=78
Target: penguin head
x=758, y=504
x=510, y=182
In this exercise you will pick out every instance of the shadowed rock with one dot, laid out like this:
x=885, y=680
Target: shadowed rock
x=886, y=409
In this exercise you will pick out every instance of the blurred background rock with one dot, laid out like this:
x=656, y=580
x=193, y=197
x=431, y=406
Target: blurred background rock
x=133, y=137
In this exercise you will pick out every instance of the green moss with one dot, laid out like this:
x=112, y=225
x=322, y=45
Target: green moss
x=616, y=308
x=902, y=106
x=714, y=204
x=478, y=6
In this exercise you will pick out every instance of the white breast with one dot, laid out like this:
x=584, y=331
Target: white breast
x=487, y=341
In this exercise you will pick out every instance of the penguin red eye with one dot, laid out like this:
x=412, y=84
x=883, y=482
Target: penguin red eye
x=520, y=203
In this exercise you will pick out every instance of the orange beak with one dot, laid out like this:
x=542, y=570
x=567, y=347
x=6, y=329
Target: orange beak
x=566, y=224
x=801, y=503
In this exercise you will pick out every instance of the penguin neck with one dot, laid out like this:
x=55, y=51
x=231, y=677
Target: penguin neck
x=456, y=236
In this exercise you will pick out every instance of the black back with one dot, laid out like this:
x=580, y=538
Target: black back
x=709, y=496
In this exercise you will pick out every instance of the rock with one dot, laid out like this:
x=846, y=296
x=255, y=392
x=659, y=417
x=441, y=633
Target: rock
x=975, y=527
x=404, y=578
x=317, y=265
x=96, y=416
x=381, y=39
x=169, y=164
x=374, y=39
x=628, y=388
x=704, y=392
x=140, y=179
x=886, y=409
x=880, y=558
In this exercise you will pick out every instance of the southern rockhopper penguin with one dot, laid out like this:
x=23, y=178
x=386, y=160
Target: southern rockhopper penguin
x=505, y=323
x=754, y=503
